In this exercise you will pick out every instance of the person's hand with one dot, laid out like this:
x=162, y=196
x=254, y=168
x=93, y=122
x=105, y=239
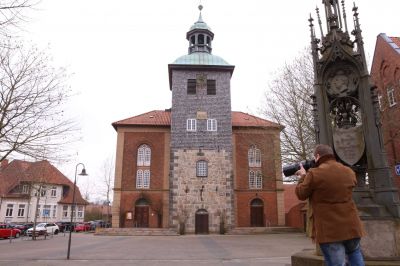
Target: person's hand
x=301, y=172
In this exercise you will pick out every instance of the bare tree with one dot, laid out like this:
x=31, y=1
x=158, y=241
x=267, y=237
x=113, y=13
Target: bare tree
x=288, y=102
x=12, y=13
x=108, y=178
x=32, y=97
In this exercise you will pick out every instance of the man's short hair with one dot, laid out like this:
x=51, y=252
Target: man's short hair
x=322, y=150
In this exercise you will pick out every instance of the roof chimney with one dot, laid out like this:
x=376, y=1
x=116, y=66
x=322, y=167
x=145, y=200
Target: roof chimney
x=4, y=163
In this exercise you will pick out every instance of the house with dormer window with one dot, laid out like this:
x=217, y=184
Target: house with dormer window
x=37, y=188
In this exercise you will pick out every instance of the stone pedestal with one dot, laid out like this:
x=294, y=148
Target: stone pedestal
x=382, y=240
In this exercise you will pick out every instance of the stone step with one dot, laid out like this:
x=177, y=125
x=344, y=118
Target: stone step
x=263, y=230
x=136, y=232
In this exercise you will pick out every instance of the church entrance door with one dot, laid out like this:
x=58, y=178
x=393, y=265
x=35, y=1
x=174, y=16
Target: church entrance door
x=141, y=213
x=257, y=213
x=201, y=222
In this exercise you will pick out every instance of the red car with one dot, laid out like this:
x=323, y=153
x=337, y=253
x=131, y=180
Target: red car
x=7, y=231
x=82, y=227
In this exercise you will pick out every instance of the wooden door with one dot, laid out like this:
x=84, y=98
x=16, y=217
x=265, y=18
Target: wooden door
x=257, y=213
x=201, y=222
x=142, y=216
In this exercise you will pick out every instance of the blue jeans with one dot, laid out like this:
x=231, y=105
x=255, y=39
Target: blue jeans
x=343, y=253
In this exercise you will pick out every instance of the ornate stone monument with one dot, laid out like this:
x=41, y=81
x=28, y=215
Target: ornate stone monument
x=346, y=116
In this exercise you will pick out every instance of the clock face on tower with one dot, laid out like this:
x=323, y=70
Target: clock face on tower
x=342, y=83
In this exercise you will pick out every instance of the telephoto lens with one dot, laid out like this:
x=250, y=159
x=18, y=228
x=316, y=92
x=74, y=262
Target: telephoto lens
x=291, y=169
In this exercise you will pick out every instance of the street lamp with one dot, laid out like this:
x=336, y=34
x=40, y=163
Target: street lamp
x=74, y=204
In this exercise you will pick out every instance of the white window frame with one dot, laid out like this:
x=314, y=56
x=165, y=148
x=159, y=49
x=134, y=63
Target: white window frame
x=144, y=155
x=146, y=179
x=391, y=98
x=191, y=125
x=46, y=211
x=139, y=178
x=80, y=212
x=38, y=210
x=25, y=189
x=54, y=192
x=43, y=191
x=212, y=124
x=21, y=210
x=201, y=168
x=254, y=156
x=65, y=211
x=255, y=179
x=9, y=209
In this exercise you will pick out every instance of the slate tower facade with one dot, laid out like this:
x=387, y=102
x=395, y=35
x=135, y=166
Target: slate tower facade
x=201, y=176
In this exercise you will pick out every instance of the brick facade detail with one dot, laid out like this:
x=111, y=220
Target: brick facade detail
x=385, y=74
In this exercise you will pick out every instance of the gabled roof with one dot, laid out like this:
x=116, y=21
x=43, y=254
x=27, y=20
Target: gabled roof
x=17, y=171
x=163, y=118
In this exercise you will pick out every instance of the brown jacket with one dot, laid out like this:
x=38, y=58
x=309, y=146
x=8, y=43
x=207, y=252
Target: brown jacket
x=329, y=189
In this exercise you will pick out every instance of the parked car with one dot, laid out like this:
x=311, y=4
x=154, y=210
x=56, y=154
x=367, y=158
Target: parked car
x=7, y=231
x=49, y=228
x=65, y=226
x=23, y=227
x=82, y=227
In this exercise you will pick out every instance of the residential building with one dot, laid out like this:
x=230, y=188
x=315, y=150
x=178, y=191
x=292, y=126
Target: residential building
x=198, y=167
x=385, y=73
x=27, y=188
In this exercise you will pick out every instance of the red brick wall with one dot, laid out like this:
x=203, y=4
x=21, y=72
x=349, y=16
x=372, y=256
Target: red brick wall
x=385, y=72
x=295, y=216
x=264, y=140
x=154, y=195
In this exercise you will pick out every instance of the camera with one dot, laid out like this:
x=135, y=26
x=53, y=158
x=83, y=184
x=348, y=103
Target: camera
x=290, y=169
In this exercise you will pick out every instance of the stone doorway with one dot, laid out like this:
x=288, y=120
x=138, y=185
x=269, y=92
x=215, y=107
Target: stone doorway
x=141, y=213
x=201, y=222
x=257, y=213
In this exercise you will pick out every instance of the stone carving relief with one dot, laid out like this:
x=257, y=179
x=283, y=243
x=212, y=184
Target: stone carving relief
x=342, y=82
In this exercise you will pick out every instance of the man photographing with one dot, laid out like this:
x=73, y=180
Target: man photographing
x=337, y=227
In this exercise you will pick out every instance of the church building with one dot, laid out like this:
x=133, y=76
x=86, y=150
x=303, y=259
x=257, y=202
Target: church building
x=198, y=167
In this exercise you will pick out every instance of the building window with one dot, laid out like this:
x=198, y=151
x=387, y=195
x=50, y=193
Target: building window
x=43, y=191
x=254, y=156
x=80, y=212
x=255, y=179
x=211, y=124
x=191, y=124
x=211, y=87
x=54, y=210
x=21, y=210
x=201, y=168
x=191, y=86
x=139, y=179
x=9, y=210
x=54, y=192
x=146, y=179
x=46, y=210
x=143, y=179
x=144, y=155
x=391, y=98
x=25, y=189
x=65, y=211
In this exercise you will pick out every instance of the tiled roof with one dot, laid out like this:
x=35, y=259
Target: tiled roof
x=163, y=118
x=18, y=171
x=291, y=199
x=396, y=40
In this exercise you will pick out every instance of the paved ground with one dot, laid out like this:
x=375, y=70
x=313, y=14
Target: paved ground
x=188, y=250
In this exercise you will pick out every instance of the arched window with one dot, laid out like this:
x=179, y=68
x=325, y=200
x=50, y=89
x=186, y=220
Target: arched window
x=144, y=155
x=201, y=168
x=254, y=156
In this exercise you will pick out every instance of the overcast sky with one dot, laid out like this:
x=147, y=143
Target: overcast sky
x=119, y=51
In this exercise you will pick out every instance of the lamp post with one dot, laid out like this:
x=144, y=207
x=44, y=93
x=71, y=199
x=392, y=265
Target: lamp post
x=74, y=205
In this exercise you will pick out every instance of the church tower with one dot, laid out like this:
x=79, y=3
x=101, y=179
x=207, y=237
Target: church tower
x=201, y=195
